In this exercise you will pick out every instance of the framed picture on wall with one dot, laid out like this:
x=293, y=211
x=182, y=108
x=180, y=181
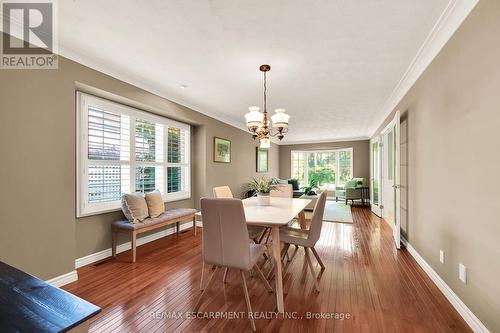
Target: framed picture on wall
x=222, y=150
x=262, y=159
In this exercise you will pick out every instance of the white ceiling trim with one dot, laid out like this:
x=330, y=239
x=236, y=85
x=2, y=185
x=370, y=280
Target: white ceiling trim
x=299, y=142
x=451, y=19
x=69, y=54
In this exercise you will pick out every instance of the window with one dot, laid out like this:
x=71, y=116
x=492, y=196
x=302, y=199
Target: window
x=327, y=168
x=122, y=149
x=298, y=167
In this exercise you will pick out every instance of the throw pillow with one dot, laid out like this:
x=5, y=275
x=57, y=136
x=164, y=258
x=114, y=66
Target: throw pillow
x=155, y=203
x=134, y=207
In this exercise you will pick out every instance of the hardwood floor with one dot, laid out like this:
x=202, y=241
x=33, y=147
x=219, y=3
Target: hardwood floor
x=366, y=278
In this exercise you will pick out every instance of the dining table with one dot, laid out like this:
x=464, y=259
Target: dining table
x=278, y=213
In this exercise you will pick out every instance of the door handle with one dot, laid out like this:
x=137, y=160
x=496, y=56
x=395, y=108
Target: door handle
x=397, y=186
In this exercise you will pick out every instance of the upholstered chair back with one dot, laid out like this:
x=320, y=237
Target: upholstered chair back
x=317, y=220
x=225, y=234
x=283, y=191
x=222, y=192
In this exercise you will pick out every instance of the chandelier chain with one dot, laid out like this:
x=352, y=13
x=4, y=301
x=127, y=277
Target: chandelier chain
x=265, y=91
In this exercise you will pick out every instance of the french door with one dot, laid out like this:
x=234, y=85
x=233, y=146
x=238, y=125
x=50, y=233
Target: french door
x=391, y=175
x=376, y=175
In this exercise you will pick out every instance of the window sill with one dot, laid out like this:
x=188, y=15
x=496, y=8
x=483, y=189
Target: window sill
x=169, y=198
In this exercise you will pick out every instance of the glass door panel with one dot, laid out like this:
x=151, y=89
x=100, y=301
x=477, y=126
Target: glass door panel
x=375, y=176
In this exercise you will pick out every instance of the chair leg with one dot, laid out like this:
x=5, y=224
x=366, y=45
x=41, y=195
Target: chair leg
x=247, y=299
x=284, y=251
x=113, y=242
x=194, y=225
x=134, y=245
x=318, y=258
x=308, y=258
x=285, y=268
x=270, y=274
x=293, y=254
x=262, y=236
x=224, y=279
x=268, y=234
x=202, y=275
x=263, y=278
x=209, y=283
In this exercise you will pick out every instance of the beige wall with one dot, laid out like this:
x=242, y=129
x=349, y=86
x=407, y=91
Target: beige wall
x=361, y=155
x=453, y=119
x=39, y=232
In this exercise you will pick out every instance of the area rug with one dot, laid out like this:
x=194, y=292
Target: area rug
x=337, y=212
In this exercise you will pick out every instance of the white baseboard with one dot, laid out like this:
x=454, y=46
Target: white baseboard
x=94, y=257
x=61, y=280
x=475, y=324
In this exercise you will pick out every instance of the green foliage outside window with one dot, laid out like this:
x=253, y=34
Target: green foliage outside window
x=321, y=176
x=145, y=141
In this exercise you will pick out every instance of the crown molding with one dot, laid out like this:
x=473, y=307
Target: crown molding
x=449, y=21
x=300, y=142
x=86, y=61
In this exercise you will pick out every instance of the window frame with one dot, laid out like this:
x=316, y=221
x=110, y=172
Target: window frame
x=305, y=156
x=83, y=101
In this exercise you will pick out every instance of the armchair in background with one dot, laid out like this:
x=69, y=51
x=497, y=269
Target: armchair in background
x=350, y=191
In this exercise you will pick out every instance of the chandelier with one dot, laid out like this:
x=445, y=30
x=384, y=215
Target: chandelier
x=258, y=123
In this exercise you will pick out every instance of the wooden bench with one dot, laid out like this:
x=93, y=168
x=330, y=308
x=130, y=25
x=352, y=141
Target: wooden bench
x=170, y=216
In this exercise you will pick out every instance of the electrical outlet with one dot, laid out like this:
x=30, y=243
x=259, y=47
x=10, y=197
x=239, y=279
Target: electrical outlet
x=441, y=256
x=462, y=273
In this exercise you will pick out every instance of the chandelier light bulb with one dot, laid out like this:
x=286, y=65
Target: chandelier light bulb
x=265, y=143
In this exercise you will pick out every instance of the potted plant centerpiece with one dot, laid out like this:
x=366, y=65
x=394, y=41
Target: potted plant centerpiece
x=262, y=186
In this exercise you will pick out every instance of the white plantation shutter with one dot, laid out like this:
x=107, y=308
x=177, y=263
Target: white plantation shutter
x=149, y=156
x=108, y=155
x=121, y=150
x=177, y=161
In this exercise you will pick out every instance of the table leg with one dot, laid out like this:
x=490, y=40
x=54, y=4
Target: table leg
x=302, y=220
x=277, y=268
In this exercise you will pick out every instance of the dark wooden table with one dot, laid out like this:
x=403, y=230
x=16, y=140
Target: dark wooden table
x=28, y=304
x=365, y=194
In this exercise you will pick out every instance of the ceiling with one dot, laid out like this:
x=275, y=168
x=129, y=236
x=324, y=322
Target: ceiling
x=334, y=63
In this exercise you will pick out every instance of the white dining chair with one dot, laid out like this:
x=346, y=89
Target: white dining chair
x=225, y=244
x=222, y=192
x=306, y=238
x=255, y=233
x=282, y=191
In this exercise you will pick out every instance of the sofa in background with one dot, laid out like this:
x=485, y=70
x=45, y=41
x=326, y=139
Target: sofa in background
x=297, y=191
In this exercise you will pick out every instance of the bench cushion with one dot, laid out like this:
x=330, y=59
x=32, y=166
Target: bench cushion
x=169, y=215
